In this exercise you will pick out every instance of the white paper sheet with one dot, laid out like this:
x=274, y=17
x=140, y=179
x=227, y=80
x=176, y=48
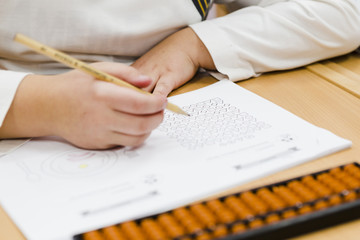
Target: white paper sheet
x=53, y=190
x=6, y=146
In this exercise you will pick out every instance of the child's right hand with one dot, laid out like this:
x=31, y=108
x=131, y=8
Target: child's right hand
x=87, y=112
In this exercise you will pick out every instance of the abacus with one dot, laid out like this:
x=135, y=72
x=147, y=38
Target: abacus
x=279, y=210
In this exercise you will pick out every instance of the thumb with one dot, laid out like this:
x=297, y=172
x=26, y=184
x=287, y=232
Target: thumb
x=164, y=87
x=140, y=81
x=125, y=73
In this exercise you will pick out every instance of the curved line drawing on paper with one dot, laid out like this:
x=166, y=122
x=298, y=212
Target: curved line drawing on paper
x=29, y=173
x=79, y=163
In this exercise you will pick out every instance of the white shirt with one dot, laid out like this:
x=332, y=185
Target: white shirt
x=262, y=36
x=278, y=35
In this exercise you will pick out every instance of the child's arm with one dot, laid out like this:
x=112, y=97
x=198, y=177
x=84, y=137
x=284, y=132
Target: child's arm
x=275, y=35
x=87, y=112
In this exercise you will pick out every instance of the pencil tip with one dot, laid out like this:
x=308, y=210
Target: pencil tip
x=176, y=109
x=183, y=112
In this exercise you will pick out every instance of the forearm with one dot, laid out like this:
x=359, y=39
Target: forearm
x=280, y=36
x=196, y=49
x=28, y=115
x=9, y=82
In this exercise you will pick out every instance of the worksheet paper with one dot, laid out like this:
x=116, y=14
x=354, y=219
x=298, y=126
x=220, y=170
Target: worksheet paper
x=53, y=190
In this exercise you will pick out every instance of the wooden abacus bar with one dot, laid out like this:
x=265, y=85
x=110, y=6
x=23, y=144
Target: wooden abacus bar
x=279, y=210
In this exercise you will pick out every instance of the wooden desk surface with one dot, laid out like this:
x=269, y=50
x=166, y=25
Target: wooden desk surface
x=309, y=94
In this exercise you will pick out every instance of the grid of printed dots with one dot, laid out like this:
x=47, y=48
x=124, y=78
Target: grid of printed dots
x=211, y=122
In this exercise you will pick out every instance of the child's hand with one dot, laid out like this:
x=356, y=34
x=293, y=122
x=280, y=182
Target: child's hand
x=174, y=61
x=87, y=112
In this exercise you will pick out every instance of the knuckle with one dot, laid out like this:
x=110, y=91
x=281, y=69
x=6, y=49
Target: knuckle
x=143, y=127
x=138, y=105
x=146, y=104
x=157, y=106
x=163, y=88
x=165, y=84
x=159, y=118
x=138, y=140
x=149, y=123
x=98, y=92
x=92, y=144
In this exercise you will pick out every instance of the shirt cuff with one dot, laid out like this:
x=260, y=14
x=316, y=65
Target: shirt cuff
x=224, y=55
x=9, y=82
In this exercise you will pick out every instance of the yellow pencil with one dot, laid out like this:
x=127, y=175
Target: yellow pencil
x=77, y=64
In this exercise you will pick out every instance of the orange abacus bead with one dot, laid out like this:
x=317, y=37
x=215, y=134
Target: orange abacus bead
x=289, y=214
x=191, y=224
x=132, y=231
x=305, y=209
x=153, y=230
x=113, y=233
x=204, y=214
x=321, y=189
x=346, y=178
x=208, y=219
x=93, y=235
x=335, y=171
x=335, y=200
x=241, y=210
x=237, y=228
x=332, y=182
x=350, y=196
x=171, y=226
x=350, y=182
x=272, y=218
x=223, y=213
x=255, y=203
x=220, y=231
x=287, y=195
x=239, y=207
x=271, y=199
x=305, y=193
x=321, y=205
x=353, y=170
x=256, y=223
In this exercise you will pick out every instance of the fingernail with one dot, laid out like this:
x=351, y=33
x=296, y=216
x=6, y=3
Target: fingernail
x=143, y=78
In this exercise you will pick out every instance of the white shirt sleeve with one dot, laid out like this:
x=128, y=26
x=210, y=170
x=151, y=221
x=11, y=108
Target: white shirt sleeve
x=277, y=35
x=9, y=82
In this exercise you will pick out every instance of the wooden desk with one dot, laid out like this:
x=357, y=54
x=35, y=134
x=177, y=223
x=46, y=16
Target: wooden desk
x=310, y=95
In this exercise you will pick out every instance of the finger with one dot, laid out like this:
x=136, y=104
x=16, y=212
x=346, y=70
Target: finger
x=121, y=139
x=164, y=87
x=125, y=73
x=116, y=129
x=135, y=124
x=115, y=139
x=151, y=86
x=128, y=100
